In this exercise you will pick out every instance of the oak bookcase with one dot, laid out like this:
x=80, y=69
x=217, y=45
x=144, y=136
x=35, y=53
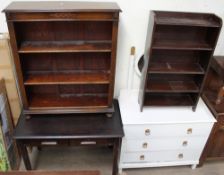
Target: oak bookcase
x=65, y=55
x=178, y=50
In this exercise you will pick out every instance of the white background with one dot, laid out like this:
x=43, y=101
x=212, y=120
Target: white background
x=133, y=27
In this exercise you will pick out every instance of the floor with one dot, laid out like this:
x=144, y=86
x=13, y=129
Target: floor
x=71, y=158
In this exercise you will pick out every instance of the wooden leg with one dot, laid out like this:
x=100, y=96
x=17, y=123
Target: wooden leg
x=25, y=155
x=116, y=155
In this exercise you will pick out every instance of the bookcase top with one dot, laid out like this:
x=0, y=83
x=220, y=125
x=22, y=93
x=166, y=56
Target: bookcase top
x=61, y=6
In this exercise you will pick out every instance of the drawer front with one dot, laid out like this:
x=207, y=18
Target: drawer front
x=175, y=130
x=161, y=156
x=62, y=16
x=169, y=143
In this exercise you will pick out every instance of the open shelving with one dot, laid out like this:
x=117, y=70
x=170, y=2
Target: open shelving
x=178, y=50
x=65, y=61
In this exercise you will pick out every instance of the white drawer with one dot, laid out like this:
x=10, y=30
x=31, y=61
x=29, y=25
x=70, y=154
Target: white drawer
x=161, y=156
x=175, y=130
x=168, y=143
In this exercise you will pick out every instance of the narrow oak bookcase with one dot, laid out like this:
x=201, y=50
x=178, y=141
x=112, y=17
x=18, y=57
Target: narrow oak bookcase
x=179, y=47
x=65, y=55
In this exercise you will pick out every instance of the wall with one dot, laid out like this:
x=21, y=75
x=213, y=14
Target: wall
x=133, y=27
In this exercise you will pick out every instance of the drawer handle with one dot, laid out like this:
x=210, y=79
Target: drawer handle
x=147, y=132
x=49, y=143
x=88, y=143
x=185, y=143
x=145, y=145
x=180, y=156
x=189, y=131
x=142, y=157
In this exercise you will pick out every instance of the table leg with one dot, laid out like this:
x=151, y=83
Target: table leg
x=116, y=155
x=25, y=155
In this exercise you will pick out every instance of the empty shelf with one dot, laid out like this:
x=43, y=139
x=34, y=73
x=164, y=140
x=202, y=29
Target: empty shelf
x=64, y=46
x=181, y=45
x=59, y=78
x=175, y=68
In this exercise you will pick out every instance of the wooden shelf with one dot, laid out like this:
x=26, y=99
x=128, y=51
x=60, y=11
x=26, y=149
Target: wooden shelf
x=187, y=21
x=172, y=86
x=168, y=100
x=52, y=101
x=181, y=45
x=64, y=46
x=59, y=78
x=175, y=68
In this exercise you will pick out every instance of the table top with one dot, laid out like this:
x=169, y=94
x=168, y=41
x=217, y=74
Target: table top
x=70, y=126
x=51, y=173
x=61, y=6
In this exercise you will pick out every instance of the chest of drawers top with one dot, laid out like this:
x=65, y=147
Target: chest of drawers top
x=129, y=107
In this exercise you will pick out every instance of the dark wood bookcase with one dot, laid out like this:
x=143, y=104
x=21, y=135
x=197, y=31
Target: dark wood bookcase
x=64, y=54
x=213, y=96
x=178, y=50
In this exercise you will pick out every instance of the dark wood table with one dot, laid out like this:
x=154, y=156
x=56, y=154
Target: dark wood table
x=51, y=173
x=70, y=130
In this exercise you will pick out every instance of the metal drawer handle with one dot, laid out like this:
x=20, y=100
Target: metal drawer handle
x=49, y=143
x=180, y=156
x=185, y=143
x=147, y=132
x=142, y=157
x=145, y=145
x=88, y=143
x=189, y=131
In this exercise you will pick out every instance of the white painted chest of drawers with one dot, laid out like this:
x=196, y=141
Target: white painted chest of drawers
x=162, y=136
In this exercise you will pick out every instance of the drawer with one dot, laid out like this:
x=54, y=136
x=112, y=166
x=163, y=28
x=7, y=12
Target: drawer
x=161, y=156
x=148, y=131
x=169, y=143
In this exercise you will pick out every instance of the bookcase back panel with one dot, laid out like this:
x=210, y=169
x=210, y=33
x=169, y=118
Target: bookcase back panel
x=173, y=83
x=176, y=56
x=65, y=63
x=72, y=90
x=50, y=96
x=170, y=99
x=63, y=31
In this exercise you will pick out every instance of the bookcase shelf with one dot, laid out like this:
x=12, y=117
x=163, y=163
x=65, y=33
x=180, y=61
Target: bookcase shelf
x=175, y=68
x=172, y=86
x=64, y=46
x=179, y=45
x=65, y=60
x=177, y=55
x=67, y=78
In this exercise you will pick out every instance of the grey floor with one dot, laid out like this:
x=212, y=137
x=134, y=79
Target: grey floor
x=71, y=158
